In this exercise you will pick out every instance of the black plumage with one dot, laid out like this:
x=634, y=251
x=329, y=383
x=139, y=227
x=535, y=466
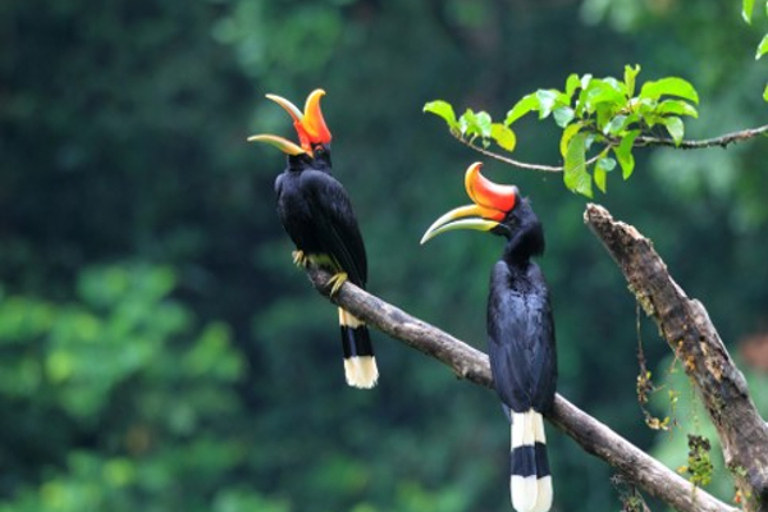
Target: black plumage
x=521, y=347
x=520, y=326
x=521, y=330
x=317, y=214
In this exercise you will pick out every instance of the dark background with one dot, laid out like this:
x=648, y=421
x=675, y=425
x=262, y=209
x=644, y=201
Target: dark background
x=159, y=351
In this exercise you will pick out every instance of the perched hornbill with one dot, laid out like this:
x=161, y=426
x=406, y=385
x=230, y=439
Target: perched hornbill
x=521, y=331
x=317, y=214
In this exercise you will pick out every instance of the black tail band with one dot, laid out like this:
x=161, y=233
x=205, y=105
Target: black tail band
x=356, y=341
x=528, y=460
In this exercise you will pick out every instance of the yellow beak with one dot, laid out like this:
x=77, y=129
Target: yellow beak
x=284, y=145
x=492, y=203
x=310, y=125
x=463, y=217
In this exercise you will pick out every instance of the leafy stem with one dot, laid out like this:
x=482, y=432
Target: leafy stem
x=602, y=113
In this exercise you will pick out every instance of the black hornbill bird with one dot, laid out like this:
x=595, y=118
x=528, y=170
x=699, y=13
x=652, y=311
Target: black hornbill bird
x=316, y=212
x=521, y=331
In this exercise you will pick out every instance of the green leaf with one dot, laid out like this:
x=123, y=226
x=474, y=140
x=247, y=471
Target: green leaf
x=575, y=175
x=603, y=166
x=624, y=155
x=617, y=86
x=676, y=107
x=765, y=93
x=503, y=136
x=762, y=48
x=630, y=74
x=670, y=86
x=526, y=104
x=572, y=83
x=475, y=123
x=445, y=110
x=568, y=133
x=484, y=122
x=606, y=93
x=547, y=99
x=606, y=163
x=747, y=7
x=600, y=179
x=614, y=126
x=581, y=101
x=563, y=116
x=675, y=127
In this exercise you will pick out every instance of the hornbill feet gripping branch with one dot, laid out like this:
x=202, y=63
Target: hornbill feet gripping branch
x=521, y=331
x=317, y=214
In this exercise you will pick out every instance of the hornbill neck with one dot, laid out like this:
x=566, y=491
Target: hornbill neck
x=299, y=163
x=303, y=161
x=525, y=236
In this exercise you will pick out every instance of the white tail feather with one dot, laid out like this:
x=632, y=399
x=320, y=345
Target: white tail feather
x=348, y=319
x=524, y=491
x=361, y=371
x=524, y=427
x=529, y=494
x=543, y=495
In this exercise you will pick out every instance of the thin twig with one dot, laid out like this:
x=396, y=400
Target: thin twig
x=643, y=141
x=723, y=141
x=510, y=161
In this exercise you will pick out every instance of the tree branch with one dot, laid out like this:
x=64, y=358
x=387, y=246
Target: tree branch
x=472, y=364
x=643, y=141
x=723, y=141
x=686, y=326
x=506, y=159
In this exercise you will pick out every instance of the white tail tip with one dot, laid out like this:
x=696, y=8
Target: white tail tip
x=361, y=371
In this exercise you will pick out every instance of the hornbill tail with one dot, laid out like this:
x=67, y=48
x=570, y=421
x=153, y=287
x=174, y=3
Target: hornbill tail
x=360, y=367
x=530, y=481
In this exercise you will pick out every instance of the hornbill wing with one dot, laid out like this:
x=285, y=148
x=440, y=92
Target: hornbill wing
x=336, y=224
x=293, y=212
x=522, y=347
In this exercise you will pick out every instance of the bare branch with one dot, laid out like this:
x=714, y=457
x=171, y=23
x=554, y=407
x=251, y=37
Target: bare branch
x=686, y=326
x=472, y=364
x=505, y=159
x=723, y=141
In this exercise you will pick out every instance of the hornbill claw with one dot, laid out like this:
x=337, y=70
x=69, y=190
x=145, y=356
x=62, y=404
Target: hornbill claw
x=337, y=280
x=300, y=259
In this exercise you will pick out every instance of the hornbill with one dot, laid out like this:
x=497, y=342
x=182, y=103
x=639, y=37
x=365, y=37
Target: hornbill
x=521, y=332
x=316, y=212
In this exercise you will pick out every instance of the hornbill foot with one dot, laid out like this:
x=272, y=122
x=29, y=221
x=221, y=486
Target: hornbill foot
x=300, y=259
x=337, y=280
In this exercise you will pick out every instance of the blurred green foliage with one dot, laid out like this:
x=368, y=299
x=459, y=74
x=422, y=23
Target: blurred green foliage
x=161, y=352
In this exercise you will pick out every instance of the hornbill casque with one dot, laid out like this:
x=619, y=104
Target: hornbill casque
x=521, y=332
x=317, y=214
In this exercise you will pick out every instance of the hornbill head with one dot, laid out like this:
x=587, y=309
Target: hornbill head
x=313, y=133
x=497, y=208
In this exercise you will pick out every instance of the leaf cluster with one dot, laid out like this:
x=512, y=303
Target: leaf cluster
x=700, y=465
x=603, y=115
x=471, y=125
x=747, y=11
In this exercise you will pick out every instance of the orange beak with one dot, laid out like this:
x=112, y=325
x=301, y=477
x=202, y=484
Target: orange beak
x=310, y=125
x=492, y=202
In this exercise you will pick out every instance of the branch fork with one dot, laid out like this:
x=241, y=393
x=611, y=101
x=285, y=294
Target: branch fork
x=686, y=327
